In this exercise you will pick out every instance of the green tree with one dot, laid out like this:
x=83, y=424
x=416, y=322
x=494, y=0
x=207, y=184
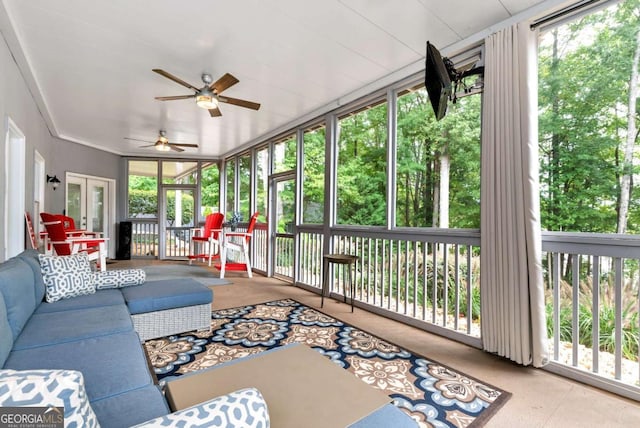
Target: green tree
x=584, y=75
x=423, y=145
x=313, y=176
x=210, y=189
x=362, y=167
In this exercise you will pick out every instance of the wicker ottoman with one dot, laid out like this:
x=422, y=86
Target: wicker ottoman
x=166, y=307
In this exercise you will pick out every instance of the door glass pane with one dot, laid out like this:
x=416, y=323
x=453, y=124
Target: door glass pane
x=74, y=200
x=97, y=208
x=179, y=208
x=179, y=217
x=285, y=218
x=285, y=206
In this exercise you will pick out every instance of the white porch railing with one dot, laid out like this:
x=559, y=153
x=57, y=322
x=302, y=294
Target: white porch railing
x=427, y=279
x=593, y=307
x=144, y=238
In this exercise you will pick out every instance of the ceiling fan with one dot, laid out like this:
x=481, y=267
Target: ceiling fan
x=208, y=97
x=163, y=144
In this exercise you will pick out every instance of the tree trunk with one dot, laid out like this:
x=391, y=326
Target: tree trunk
x=428, y=185
x=436, y=193
x=625, y=180
x=407, y=199
x=443, y=214
x=554, y=170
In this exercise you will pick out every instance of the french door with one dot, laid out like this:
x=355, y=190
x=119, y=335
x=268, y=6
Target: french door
x=91, y=204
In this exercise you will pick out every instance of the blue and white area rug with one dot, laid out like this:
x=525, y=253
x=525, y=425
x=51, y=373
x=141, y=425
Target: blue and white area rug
x=433, y=394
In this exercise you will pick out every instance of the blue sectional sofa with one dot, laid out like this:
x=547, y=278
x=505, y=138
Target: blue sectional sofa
x=93, y=334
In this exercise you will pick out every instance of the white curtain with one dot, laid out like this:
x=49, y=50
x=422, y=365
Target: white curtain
x=512, y=295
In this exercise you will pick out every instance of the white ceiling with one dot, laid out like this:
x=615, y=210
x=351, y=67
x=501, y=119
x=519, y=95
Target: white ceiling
x=91, y=61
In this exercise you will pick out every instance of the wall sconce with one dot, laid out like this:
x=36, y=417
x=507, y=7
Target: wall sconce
x=55, y=182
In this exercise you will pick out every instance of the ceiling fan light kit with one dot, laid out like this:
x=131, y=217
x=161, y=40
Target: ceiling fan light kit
x=206, y=100
x=162, y=147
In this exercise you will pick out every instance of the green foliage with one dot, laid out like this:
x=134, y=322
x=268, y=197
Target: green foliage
x=630, y=334
x=244, y=174
x=187, y=208
x=262, y=183
x=285, y=155
x=313, y=176
x=423, y=145
x=402, y=283
x=143, y=183
x=143, y=202
x=362, y=167
x=230, y=188
x=210, y=193
x=584, y=72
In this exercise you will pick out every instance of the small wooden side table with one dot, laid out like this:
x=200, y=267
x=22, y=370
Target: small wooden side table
x=340, y=259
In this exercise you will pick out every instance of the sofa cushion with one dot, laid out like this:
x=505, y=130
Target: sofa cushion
x=57, y=388
x=66, y=276
x=131, y=407
x=6, y=337
x=244, y=408
x=118, y=278
x=98, y=299
x=16, y=285
x=59, y=327
x=31, y=258
x=166, y=294
x=110, y=364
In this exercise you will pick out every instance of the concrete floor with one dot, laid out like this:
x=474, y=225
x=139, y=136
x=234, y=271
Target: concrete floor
x=540, y=398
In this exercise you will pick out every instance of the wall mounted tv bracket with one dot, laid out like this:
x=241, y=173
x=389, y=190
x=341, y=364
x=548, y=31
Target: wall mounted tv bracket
x=457, y=78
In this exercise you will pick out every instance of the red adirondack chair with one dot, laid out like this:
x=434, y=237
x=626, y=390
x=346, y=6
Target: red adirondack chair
x=65, y=245
x=206, y=241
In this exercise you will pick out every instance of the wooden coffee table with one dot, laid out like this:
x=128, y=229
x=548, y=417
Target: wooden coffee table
x=302, y=388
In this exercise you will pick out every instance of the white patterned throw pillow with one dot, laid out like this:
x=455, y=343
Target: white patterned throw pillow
x=244, y=408
x=66, y=276
x=49, y=388
x=119, y=278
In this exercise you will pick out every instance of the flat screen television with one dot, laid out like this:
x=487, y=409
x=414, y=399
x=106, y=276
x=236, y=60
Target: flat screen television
x=437, y=81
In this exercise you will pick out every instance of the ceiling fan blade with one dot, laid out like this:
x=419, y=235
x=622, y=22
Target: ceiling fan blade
x=238, y=102
x=215, y=112
x=175, y=97
x=177, y=149
x=174, y=78
x=150, y=145
x=183, y=145
x=135, y=139
x=223, y=83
